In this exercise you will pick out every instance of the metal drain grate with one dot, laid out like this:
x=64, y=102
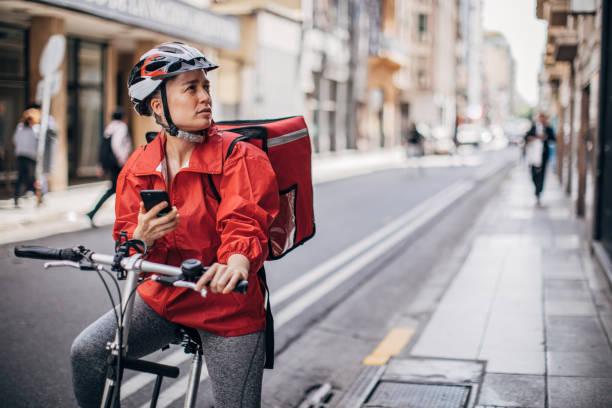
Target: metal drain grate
x=400, y=394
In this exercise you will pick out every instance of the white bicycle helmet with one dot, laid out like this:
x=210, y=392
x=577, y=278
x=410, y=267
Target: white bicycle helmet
x=164, y=61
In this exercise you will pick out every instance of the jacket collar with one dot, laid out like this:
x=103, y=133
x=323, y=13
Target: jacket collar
x=207, y=157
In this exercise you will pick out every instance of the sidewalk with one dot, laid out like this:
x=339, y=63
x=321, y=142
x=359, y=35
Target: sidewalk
x=526, y=322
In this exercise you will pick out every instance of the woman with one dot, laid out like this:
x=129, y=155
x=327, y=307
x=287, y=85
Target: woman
x=25, y=140
x=170, y=82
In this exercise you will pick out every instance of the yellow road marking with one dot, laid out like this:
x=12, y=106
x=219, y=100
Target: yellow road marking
x=395, y=341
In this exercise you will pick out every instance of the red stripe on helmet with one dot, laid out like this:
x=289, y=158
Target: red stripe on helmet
x=145, y=73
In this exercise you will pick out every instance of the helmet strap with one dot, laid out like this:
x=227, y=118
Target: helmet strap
x=170, y=127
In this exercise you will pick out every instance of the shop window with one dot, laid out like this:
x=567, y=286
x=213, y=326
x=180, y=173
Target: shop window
x=85, y=106
x=13, y=88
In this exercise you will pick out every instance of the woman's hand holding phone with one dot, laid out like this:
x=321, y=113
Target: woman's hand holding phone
x=152, y=226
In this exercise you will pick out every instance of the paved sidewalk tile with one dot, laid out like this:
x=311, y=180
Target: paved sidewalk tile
x=580, y=363
x=529, y=302
x=579, y=392
x=502, y=390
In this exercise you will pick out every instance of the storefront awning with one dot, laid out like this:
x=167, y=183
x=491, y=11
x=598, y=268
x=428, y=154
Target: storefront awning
x=169, y=17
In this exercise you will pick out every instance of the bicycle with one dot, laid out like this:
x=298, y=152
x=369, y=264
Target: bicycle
x=129, y=267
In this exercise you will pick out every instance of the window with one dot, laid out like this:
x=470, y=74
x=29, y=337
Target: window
x=422, y=23
x=85, y=105
x=316, y=107
x=422, y=77
x=13, y=82
x=333, y=92
x=422, y=33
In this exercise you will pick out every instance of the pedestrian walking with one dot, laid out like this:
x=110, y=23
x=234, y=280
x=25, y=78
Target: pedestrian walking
x=537, y=151
x=170, y=82
x=25, y=140
x=414, y=141
x=115, y=149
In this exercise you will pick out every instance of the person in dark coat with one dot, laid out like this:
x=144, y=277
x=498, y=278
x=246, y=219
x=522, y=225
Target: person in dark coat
x=121, y=144
x=414, y=141
x=544, y=132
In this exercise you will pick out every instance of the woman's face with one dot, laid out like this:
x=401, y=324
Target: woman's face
x=189, y=101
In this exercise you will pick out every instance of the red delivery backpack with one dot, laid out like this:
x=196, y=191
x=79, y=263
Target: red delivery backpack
x=287, y=144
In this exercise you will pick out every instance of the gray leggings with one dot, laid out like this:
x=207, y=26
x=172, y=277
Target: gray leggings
x=235, y=364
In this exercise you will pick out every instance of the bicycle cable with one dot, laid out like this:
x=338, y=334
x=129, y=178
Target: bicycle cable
x=110, y=296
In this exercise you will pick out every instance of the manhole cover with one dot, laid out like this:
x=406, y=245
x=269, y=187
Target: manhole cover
x=398, y=394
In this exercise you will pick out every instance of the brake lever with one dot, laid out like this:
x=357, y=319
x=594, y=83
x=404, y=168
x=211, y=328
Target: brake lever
x=189, y=285
x=76, y=265
x=178, y=283
x=54, y=264
x=241, y=287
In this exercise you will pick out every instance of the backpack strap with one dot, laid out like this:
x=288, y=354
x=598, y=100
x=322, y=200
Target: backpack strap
x=269, y=330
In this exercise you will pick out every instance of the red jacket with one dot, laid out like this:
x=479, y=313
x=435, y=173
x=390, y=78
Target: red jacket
x=208, y=231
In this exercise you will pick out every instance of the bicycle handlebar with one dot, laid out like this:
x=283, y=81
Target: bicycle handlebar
x=70, y=254
x=37, y=252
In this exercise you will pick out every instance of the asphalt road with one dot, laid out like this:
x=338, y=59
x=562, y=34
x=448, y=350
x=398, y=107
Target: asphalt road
x=42, y=311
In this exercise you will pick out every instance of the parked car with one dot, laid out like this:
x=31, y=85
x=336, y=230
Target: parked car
x=442, y=140
x=437, y=139
x=470, y=134
x=516, y=129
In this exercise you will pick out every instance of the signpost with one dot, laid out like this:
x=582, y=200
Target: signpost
x=51, y=59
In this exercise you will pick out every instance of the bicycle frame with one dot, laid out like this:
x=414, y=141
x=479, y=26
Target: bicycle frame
x=111, y=395
x=128, y=268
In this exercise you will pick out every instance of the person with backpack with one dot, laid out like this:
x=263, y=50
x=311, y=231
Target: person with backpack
x=25, y=140
x=231, y=234
x=115, y=149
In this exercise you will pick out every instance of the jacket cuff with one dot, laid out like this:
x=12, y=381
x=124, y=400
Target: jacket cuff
x=251, y=251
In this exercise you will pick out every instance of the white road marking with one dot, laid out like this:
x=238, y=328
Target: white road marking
x=376, y=245
x=351, y=252
x=135, y=383
x=176, y=390
x=322, y=288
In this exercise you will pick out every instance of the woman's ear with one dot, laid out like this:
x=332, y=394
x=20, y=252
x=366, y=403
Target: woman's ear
x=157, y=107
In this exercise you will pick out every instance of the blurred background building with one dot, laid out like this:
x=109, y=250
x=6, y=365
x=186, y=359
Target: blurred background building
x=499, y=78
x=575, y=90
x=360, y=71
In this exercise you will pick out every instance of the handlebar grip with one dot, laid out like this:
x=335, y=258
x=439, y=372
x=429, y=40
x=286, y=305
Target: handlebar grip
x=37, y=252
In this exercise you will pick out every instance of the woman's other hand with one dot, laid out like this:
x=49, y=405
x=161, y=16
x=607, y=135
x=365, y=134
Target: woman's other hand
x=151, y=227
x=224, y=278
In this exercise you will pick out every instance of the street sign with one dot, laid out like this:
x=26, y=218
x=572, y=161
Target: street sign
x=50, y=60
x=52, y=55
x=56, y=82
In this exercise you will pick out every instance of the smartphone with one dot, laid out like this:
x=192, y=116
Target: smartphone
x=151, y=198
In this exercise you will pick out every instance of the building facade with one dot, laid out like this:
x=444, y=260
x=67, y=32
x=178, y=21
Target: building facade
x=104, y=40
x=499, y=79
x=360, y=71
x=429, y=78
x=575, y=90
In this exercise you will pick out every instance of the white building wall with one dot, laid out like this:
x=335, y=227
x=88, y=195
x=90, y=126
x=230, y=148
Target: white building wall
x=275, y=80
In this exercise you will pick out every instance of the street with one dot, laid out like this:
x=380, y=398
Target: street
x=393, y=226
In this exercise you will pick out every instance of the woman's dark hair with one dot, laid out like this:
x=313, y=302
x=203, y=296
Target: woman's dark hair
x=119, y=113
